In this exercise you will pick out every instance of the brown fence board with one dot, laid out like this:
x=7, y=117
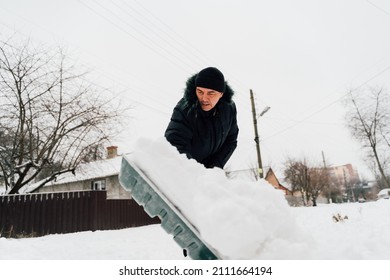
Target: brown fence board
x=50, y=213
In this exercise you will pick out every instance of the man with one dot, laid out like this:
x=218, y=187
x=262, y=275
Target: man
x=204, y=122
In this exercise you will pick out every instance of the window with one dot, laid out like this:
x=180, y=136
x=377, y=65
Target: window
x=98, y=185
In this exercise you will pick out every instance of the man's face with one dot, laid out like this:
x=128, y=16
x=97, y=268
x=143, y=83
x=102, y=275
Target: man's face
x=208, y=98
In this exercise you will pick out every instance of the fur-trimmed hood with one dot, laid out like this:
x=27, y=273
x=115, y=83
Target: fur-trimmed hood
x=190, y=92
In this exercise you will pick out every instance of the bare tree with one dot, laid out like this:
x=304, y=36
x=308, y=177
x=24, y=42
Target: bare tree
x=368, y=118
x=310, y=181
x=319, y=183
x=49, y=115
x=296, y=173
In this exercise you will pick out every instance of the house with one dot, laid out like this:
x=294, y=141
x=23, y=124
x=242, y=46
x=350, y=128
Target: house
x=96, y=175
x=293, y=198
x=271, y=178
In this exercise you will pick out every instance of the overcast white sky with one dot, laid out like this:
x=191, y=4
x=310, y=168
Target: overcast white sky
x=299, y=57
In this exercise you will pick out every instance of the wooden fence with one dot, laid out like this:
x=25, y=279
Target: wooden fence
x=49, y=213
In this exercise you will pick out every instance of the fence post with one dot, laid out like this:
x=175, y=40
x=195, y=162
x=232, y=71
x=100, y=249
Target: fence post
x=3, y=213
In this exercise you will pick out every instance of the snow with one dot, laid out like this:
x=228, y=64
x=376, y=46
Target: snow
x=240, y=219
x=141, y=243
x=206, y=196
x=363, y=236
x=384, y=194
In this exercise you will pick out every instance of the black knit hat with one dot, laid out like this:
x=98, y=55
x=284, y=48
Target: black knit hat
x=211, y=78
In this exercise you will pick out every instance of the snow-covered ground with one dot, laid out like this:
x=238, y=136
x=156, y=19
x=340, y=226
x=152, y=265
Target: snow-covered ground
x=239, y=219
x=364, y=235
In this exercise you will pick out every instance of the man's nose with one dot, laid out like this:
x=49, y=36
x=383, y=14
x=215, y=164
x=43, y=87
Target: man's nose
x=203, y=97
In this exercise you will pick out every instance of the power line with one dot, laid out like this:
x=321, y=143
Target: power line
x=168, y=51
x=296, y=121
x=153, y=30
x=231, y=77
x=105, y=74
x=184, y=43
x=105, y=88
x=379, y=8
x=329, y=104
x=131, y=35
x=321, y=109
x=163, y=24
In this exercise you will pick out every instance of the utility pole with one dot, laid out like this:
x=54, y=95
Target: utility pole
x=327, y=178
x=260, y=170
x=323, y=159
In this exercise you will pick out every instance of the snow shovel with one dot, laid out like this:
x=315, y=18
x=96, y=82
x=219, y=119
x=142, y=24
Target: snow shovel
x=155, y=203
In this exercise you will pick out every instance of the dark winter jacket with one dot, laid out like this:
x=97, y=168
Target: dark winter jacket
x=209, y=137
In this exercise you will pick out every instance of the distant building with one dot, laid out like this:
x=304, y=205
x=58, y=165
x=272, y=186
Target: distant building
x=344, y=174
x=348, y=181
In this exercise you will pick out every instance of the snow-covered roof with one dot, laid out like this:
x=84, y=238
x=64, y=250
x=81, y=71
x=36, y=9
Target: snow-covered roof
x=92, y=170
x=284, y=183
x=84, y=172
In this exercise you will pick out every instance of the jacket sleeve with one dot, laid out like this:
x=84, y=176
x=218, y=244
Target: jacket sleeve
x=220, y=158
x=179, y=132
